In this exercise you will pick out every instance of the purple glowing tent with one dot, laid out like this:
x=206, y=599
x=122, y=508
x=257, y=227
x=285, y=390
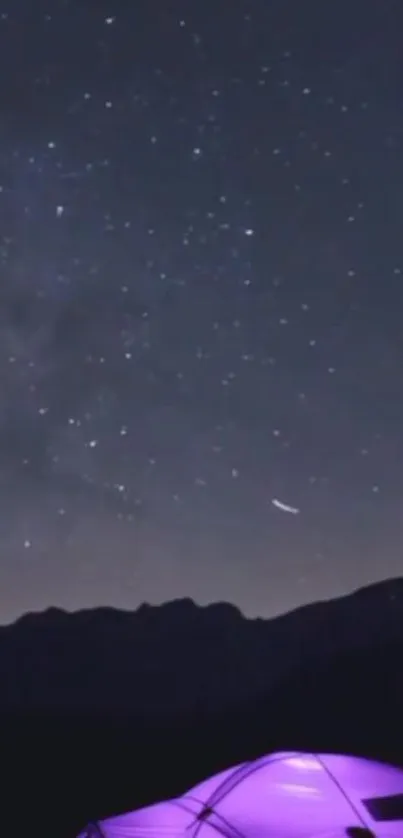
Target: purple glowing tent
x=285, y=795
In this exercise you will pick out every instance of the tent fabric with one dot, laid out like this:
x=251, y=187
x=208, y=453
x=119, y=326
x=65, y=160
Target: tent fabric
x=284, y=795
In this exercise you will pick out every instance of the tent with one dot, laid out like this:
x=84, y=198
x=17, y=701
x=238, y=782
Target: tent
x=284, y=795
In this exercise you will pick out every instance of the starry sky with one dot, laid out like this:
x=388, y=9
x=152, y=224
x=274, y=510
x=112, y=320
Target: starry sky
x=201, y=301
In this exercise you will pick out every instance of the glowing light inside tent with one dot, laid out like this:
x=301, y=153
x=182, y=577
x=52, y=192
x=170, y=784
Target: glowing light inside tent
x=288, y=795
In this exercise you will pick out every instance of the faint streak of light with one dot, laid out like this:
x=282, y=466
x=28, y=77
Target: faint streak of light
x=284, y=507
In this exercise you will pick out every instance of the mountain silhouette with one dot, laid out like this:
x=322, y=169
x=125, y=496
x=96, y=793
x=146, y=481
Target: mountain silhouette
x=179, y=655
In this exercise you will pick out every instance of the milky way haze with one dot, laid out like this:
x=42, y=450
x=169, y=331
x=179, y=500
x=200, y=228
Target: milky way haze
x=201, y=301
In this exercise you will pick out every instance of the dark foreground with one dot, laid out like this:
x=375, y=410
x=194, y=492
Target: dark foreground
x=59, y=771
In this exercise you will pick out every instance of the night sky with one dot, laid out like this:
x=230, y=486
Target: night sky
x=201, y=301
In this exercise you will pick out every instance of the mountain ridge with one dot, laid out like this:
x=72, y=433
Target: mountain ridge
x=180, y=655
x=392, y=587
